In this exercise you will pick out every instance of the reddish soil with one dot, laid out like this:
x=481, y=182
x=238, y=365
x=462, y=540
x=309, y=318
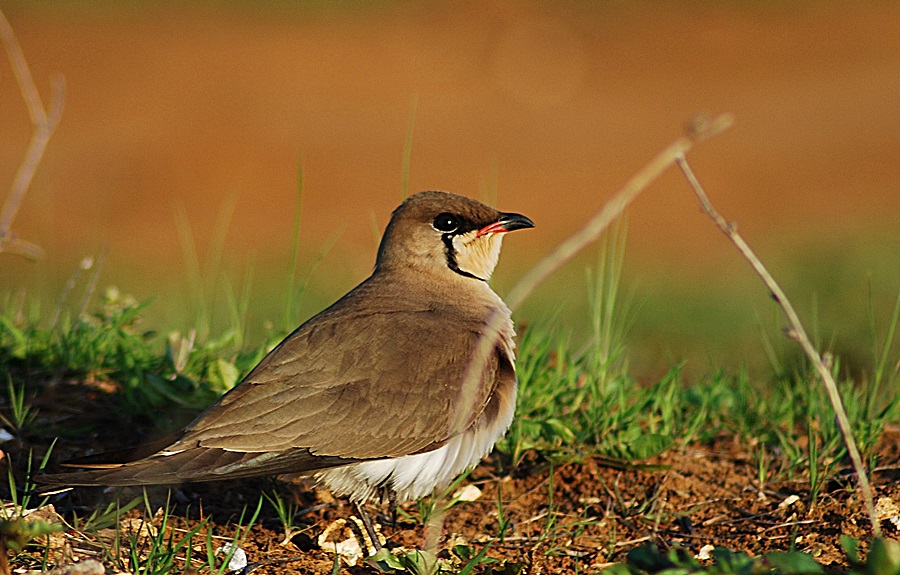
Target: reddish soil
x=575, y=515
x=595, y=515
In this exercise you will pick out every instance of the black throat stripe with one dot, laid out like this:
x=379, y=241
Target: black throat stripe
x=451, y=258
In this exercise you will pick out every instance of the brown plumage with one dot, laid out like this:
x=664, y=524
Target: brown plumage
x=368, y=394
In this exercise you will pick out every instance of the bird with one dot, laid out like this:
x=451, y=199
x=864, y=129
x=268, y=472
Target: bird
x=393, y=391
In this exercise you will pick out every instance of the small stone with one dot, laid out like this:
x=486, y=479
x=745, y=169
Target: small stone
x=467, y=493
x=338, y=538
x=790, y=500
x=238, y=559
x=885, y=508
x=86, y=567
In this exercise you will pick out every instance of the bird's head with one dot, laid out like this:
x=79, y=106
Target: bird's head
x=441, y=232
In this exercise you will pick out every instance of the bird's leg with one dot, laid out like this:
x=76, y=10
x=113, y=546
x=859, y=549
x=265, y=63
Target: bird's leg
x=392, y=505
x=370, y=528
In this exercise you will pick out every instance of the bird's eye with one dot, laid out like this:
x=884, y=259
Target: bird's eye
x=445, y=222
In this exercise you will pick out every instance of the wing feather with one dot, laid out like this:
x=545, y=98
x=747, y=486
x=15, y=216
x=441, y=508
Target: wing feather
x=324, y=388
x=200, y=464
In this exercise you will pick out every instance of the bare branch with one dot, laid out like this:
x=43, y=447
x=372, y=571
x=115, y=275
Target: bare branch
x=614, y=207
x=795, y=332
x=22, y=72
x=17, y=246
x=44, y=125
x=611, y=210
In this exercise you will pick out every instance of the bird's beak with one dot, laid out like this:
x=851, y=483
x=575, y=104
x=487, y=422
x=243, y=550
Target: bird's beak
x=508, y=222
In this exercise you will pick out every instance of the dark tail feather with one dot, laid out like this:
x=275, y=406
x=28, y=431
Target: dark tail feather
x=118, y=458
x=192, y=465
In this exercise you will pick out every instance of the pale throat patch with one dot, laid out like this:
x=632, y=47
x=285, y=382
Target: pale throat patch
x=478, y=255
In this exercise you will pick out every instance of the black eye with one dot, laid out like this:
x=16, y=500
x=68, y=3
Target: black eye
x=445, y=222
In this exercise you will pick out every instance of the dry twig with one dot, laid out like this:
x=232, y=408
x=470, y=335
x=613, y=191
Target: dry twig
x=589, y=233
x=614, y=208
x=797, y=333
x=44, y=124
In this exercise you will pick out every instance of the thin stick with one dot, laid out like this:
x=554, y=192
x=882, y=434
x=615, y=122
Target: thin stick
x=797, y=333
x=611, y=210
x=406, y=166
x=44, y=124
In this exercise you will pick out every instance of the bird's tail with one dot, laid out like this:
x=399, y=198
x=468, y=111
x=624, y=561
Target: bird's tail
x=191, y=465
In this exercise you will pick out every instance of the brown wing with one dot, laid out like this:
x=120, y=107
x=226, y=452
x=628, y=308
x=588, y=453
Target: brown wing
x=356, y=383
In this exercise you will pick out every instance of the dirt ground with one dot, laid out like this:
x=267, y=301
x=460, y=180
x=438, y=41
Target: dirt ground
x=559, y=518
x=595, y=515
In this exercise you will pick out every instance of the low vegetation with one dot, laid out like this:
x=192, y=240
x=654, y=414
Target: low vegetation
x=583, y=425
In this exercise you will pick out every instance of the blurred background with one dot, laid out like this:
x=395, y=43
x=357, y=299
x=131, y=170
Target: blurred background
x=186, y=125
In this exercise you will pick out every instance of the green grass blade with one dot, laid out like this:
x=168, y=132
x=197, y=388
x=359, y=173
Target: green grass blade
x=288, y=319
x=406, y=167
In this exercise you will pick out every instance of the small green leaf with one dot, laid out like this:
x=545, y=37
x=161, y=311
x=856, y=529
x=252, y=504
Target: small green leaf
x=19, y=344
x=464, y=552
x=385, y=562
x=884, y=557
x=476, y=559
x=851, y=549
x=730, y=561
x=648, y=558
x=18, y=533
x=223, y=375
x=647, y=445
x=793, y=562
x=505, y=568
x=556, y=428
x=420, y=562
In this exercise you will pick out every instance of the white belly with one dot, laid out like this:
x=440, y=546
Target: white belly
x=415, y=476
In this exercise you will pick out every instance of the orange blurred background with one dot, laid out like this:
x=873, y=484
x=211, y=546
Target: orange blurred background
x=208, y=110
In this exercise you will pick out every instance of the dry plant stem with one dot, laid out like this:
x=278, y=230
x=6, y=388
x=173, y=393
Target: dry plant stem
x=797, y=333
x=44, y=124
x=614, y=208
x=589, y=233
x=434, y=528
x=611, y=210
